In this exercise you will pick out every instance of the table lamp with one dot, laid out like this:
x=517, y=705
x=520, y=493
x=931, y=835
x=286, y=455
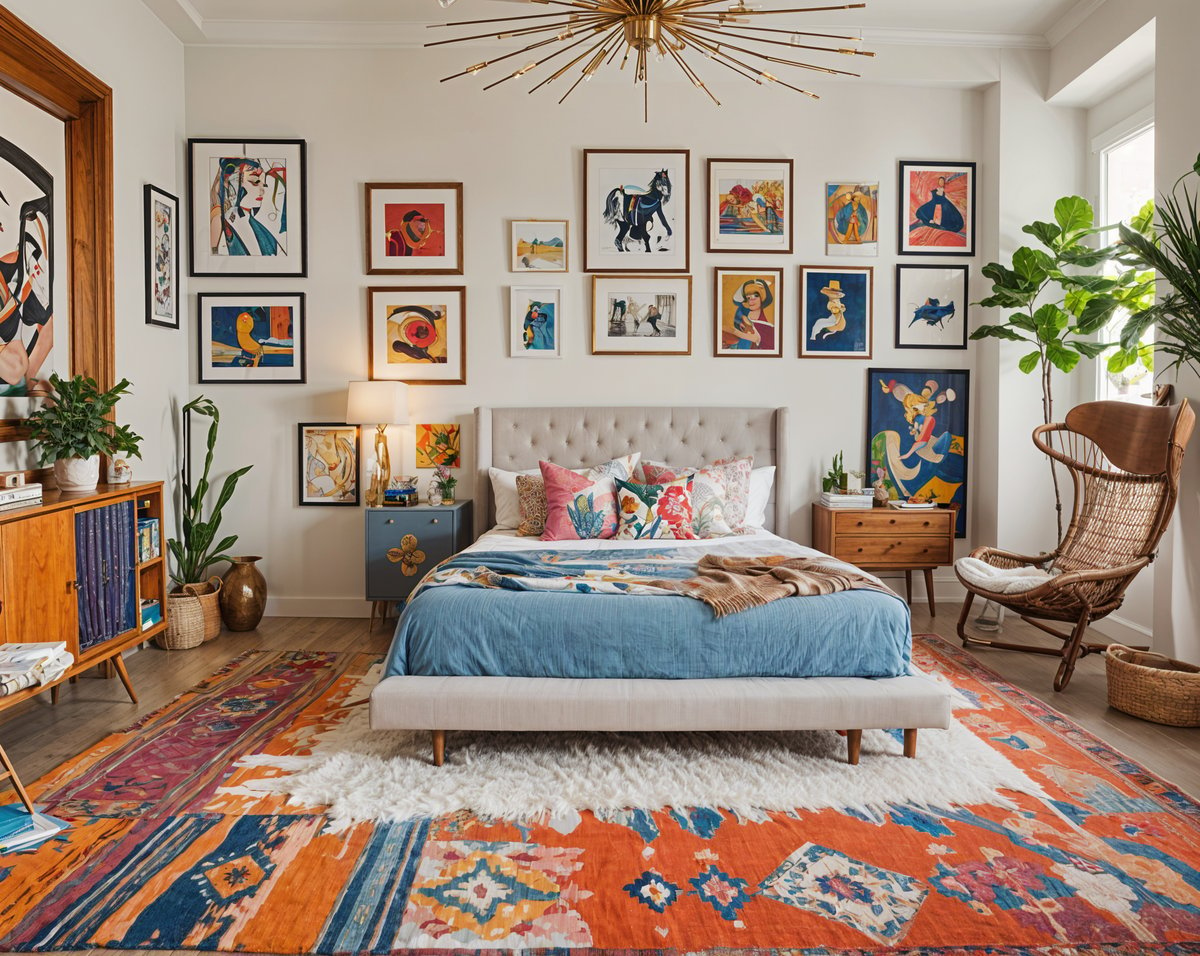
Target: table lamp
x=379, y=404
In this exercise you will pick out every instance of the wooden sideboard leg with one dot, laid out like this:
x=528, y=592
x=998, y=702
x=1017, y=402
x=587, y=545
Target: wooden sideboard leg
x=54, y=695
x=908, y=585
x=929, y=592
x=10, y=773
x=910, y=742
x=122, y=673
x=853, y=746
x=439, y=747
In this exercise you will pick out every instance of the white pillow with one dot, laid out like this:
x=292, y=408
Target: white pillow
x=504, y=487
x=761, y=480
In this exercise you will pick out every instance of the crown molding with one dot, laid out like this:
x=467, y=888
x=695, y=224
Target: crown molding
x=1071, y=20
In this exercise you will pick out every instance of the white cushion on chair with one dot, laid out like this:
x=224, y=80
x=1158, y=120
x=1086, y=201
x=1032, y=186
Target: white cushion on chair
x=1002, y=580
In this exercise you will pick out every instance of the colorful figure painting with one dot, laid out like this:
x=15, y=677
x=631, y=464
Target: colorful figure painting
x=415, y=229
x=418, y=335
x=535, y=322
x=917, y=435
x=748, y=306
x=249, y=206
x=251, y=338
x=328, y=464
x=636, y=210
x=750, y=205
x=26, y=271
x=836, y=311
x=938, y=204
x=851, y=219
x=632, y=315
x=439, y=445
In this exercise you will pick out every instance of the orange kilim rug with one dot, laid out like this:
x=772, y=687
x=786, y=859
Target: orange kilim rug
x=166, y=852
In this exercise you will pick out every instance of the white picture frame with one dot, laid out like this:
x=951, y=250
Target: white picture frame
x=535, y=322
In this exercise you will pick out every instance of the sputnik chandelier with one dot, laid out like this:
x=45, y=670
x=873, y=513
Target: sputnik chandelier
x=601, y=31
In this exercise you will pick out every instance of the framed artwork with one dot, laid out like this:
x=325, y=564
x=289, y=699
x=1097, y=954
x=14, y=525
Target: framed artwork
x=160, y=214
x=439, y=445
x=937, y=209
x=539, y=245
x=852, y=219
x=247, y=207
x=917, y=422
x=329, y=455
x=836, y=311
x=251, y=337
x=535, y=322
x=641, y=315
x=635, y=210
x=747, y=311
x=750, y=205
x=928, y=303
x=414, y=229
x=418, y=335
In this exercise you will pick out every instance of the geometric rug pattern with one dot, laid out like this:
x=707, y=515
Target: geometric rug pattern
x=164, y=853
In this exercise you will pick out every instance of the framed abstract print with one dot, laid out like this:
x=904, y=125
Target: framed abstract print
x=641, y=315
x=747, y=306
x=247, y=207
x=836, y=311
x=917, y=442
x=252, y=337
x=750, y=205
x=937, y=209
x=439, y=444
x=635, y=210
x=852, y=219
x=414, y=229
x=329, y=456
x=535, y=322
x=418, y=335
x=539, y=245
x=931, y=306
x=160, y=215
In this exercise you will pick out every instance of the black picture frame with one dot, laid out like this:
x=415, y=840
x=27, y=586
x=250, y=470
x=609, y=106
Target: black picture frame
x=161, y=270
x=907, y=221
x=247, y=372
x=956, y=275
x=293, y=219
x=302, y=459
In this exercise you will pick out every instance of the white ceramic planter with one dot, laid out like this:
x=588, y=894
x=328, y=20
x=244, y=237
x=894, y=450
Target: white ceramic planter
x=77, y=474
x=119, y=471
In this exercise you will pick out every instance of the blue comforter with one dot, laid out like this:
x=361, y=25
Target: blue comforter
x=502, y=622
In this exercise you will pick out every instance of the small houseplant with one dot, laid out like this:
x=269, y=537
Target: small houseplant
x=835, y=478
x=73, y=430
x=444, y=482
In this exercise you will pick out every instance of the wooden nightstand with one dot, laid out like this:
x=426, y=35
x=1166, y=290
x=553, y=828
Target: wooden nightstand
x=437, y=531
x=888, y=539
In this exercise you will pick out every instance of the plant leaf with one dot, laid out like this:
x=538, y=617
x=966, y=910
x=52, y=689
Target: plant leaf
x=1073, y=215
x=1029, y=362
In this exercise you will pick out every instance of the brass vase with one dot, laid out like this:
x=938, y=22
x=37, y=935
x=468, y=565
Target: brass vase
x=243, y=594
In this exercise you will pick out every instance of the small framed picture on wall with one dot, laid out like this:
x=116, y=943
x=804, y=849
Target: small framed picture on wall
x=937, y=209
x=539, y=245
x=750, y=205
x=414, y=229
x=931, y=306
x=329, y=454
x=252, y=337
x=535, y=322
x=748, y=304
x=418, y=335
x=160, y=212
x=641, y=315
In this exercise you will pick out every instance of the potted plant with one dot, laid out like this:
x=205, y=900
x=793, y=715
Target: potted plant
x=835, y=478
x=194, y=600
x=444, y=482
x=73, y=430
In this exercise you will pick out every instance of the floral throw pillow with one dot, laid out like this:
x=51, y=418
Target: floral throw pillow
x=577, y=507
x=708, y=494
x=531, y=493
x=655, y=510
x=736, y=472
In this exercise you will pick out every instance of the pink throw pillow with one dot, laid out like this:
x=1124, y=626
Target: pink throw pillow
x=578, y=507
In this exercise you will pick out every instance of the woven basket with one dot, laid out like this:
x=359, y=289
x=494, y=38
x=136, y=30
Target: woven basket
x=194, y=616
x=1153, y=687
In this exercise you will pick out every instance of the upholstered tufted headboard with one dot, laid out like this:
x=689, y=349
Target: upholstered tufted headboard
x=517, y=438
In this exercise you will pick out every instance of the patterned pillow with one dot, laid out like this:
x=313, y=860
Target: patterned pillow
x=655, y=510
x=577, y=507
x=531, y=501
x=708, y=494
x=736, y=472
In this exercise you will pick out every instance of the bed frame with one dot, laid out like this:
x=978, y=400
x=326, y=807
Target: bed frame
x=516, y=439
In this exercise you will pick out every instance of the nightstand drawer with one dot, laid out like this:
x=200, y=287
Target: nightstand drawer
x=893, y=522
x=403, y=544
x=880, y=550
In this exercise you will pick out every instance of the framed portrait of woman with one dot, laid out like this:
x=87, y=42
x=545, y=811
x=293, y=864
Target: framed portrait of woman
x=535, y=322
x=937, y=209
x=747, y=306
x=750, y=205
x=247, y=204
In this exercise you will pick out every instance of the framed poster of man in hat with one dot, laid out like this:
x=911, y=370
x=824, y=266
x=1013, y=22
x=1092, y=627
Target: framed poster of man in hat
x=851, y=219
x=836, y=311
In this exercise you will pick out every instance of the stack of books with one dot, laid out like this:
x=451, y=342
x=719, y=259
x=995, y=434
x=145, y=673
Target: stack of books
x=22, y=830
x=22, y=496
x=864, y=499
x=149, y=542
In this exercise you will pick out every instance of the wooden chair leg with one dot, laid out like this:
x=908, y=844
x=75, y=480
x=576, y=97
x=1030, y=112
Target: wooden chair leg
x=910, y=741
x=439, y=747
x=122, y=673
x=10, y=773
x=853, y=746
x=962, y=618
x=1070, y=652
x=929, y=592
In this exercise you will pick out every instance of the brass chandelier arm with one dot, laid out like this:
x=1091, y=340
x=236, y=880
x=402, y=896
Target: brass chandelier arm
x=794, y=46
x=727, y=14
x=526, y=31
x=764, y=74
x=714, y=54
x=478, y=67
x=545, y=59
x=475, y=23
x=775, y=59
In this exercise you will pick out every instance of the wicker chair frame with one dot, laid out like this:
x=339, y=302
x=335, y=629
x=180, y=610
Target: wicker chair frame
x=1124, y=461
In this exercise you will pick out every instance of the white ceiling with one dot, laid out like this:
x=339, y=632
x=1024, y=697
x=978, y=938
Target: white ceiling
x=1025, y=22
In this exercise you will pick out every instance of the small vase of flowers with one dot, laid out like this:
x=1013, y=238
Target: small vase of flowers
x=444, y=482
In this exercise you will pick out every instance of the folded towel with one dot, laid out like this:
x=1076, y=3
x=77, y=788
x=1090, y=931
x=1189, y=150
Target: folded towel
x=1003, y=580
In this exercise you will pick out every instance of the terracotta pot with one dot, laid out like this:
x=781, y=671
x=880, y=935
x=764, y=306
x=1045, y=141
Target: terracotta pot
x=243, y=594
x=77, y=474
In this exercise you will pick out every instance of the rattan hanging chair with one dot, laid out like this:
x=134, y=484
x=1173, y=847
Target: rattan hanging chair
x=1124, y=461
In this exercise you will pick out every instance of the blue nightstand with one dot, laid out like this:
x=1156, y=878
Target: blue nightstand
x=403, y=544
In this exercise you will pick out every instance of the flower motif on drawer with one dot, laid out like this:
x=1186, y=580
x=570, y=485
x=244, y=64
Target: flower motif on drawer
x=408, y=555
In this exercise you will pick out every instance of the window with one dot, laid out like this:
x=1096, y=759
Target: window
x=1126, y=184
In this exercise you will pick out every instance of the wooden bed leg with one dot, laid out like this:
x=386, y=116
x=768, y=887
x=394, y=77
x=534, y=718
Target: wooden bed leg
x=439, y=747
x=910, y=742
x=853, y=746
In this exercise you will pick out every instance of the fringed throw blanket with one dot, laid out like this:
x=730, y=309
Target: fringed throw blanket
x=729, y=585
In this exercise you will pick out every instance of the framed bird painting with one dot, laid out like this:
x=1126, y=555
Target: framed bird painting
x=931, y=306
x=252, y=337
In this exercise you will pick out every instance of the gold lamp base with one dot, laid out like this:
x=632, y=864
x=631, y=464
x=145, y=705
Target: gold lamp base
x=383, y=469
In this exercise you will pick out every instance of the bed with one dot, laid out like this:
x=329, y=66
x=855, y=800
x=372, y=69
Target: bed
x=504, y=658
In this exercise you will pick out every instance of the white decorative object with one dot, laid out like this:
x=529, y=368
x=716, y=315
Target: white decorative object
x=119, y=471
x=77, y=474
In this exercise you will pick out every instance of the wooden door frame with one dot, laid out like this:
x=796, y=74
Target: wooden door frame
x=38, y=71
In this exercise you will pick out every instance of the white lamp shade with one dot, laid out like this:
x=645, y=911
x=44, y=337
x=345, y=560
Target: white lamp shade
x=377, y=403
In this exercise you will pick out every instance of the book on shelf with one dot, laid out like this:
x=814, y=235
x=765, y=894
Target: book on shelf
x=23, y=503
x=41, y=827
x=29, y=492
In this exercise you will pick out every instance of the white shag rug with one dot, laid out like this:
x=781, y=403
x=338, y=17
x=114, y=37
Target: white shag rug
x=359, y=774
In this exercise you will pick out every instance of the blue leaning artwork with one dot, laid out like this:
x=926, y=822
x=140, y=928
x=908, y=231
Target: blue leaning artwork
x=836, y=309
x=917, y=434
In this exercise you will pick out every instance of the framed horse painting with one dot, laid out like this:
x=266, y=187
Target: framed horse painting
x=635, y=210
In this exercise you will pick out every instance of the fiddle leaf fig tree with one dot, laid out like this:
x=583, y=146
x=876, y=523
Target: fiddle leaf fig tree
x=1054, y=306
